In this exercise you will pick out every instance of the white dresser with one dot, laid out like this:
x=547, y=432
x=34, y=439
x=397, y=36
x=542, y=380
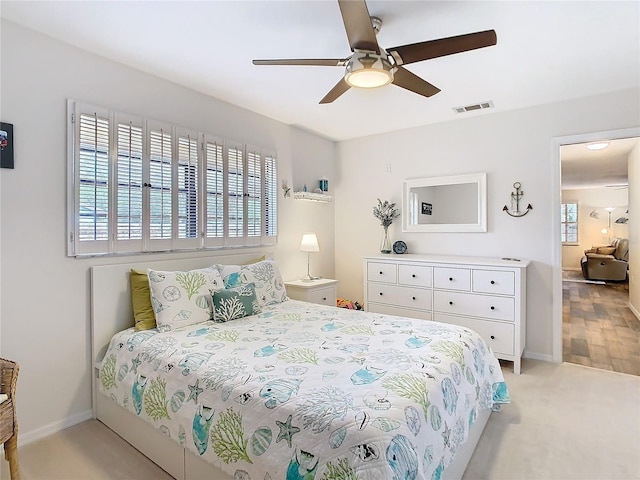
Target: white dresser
x=487, y=295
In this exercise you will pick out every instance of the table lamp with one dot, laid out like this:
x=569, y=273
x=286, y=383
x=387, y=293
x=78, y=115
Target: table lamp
x=309, y=244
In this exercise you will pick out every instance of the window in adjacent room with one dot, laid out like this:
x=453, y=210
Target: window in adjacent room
x=138, y=185
x=569, y=226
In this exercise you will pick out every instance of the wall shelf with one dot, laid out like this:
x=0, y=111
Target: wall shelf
x=316, y=197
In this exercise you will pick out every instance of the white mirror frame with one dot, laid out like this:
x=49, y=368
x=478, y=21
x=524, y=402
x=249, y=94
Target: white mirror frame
x=476, y=178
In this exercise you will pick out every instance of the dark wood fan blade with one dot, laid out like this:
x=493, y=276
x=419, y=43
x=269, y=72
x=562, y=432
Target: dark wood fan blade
x=417, y=52
x=323, y=62
x=357, y=23
x=405, y=79
x=341, y=87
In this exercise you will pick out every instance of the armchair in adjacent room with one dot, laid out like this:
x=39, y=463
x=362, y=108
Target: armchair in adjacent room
x=8, y=418
x=607, y=263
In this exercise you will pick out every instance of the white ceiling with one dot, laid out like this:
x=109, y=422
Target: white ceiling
x=547, y=51
x=583, y=168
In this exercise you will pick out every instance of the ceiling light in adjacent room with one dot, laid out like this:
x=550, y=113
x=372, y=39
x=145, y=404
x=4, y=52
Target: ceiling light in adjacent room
x=597, y=146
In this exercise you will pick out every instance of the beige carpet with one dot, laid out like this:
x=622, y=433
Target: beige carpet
x=565, y=422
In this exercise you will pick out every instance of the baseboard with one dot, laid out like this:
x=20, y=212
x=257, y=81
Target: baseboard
x=538, y=356
x=634, y=310
x=45, y=431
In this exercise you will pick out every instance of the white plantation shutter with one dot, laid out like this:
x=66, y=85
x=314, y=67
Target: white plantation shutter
x=254, y=197
x=187, y=191
x=129, y=185
x=235, y=195
x=139, y=185
x=270, y=232
x=92, y=181
x=160, y=188
x=214, y=191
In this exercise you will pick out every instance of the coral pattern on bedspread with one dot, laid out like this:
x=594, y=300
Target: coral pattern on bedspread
x=304, y=391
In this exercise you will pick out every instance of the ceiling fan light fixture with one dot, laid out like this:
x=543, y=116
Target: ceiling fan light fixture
x=597, y=146
x=368, y=70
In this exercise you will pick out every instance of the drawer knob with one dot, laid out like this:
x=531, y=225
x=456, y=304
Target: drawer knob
x=413, y=275
x=492, y=307
x=380, y=293
x=451, y=279
x=493, y=337
x=380, y=273
x=493, y=282
x=413, y=298
x=324, y=298
x=450, y=303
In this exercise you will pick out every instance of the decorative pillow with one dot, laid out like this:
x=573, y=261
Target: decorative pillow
x=145, y=318
x=236, y=302
x=605, y=250
x=183, y=298
x=264, y=275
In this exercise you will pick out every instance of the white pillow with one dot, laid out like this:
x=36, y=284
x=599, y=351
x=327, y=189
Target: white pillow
x=264, y=275
x=183, y=298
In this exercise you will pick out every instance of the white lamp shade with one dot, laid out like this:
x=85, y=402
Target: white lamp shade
x=309, y=243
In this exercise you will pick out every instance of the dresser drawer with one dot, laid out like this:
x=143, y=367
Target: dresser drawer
x=322, y=296
x=452, y=278
x=499, y=308
x=499, y=336
x=494, y=281
x=382, y=272
x=400, y=312
x=410, y=297
x=416, y=275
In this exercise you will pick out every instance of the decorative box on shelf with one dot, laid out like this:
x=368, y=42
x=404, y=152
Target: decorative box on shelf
x=316, y=197
x=322, y=290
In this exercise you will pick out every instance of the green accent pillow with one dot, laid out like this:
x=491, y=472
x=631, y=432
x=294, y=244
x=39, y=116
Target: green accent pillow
x=236, y=302
x=143, y=314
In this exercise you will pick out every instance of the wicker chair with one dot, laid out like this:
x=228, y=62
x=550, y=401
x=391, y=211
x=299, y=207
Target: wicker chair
x=8, y=418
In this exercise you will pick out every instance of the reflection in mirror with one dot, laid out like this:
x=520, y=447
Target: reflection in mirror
x=445, y=204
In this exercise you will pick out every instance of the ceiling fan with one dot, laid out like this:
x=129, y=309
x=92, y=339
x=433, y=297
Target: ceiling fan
x=371, y=66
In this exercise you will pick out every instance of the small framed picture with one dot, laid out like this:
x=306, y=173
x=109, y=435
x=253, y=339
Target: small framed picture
x=6, y=145
x=426, y=208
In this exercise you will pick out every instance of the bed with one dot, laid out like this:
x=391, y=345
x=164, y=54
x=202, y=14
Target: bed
x=296, y=390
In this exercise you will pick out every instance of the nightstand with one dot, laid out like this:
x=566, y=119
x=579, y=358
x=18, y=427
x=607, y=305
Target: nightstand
x=323, y=291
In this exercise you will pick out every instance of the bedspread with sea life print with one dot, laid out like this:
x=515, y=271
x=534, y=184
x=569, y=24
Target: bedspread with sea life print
x=305, y=391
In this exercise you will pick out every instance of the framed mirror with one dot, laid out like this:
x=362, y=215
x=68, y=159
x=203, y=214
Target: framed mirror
x=445, y=204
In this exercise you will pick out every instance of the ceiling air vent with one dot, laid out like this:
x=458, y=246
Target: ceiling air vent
x=476, y=106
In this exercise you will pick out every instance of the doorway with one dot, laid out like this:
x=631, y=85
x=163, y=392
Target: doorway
x=598, y=329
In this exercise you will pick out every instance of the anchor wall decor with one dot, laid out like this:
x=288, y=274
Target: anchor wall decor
x=515, y=202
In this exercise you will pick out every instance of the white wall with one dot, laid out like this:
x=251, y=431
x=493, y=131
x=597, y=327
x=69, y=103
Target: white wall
x=590, y=228
x=634, y=230
x=509, y=146
x=45, y=295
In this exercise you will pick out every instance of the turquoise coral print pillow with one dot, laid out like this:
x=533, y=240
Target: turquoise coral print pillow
x=235, y=302
x=264, y=275
x=183, y=298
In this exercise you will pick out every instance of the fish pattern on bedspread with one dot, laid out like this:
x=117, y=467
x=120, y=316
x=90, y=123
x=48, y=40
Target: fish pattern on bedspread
x=305, y=391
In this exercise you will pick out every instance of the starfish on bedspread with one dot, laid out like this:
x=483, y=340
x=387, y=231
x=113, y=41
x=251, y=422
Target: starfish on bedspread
x=195, y=390
x=287, y=431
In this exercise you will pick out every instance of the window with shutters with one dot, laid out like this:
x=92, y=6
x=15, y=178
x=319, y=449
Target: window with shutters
x=138, y=185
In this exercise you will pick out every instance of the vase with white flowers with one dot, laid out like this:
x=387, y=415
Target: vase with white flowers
x=385, y=212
